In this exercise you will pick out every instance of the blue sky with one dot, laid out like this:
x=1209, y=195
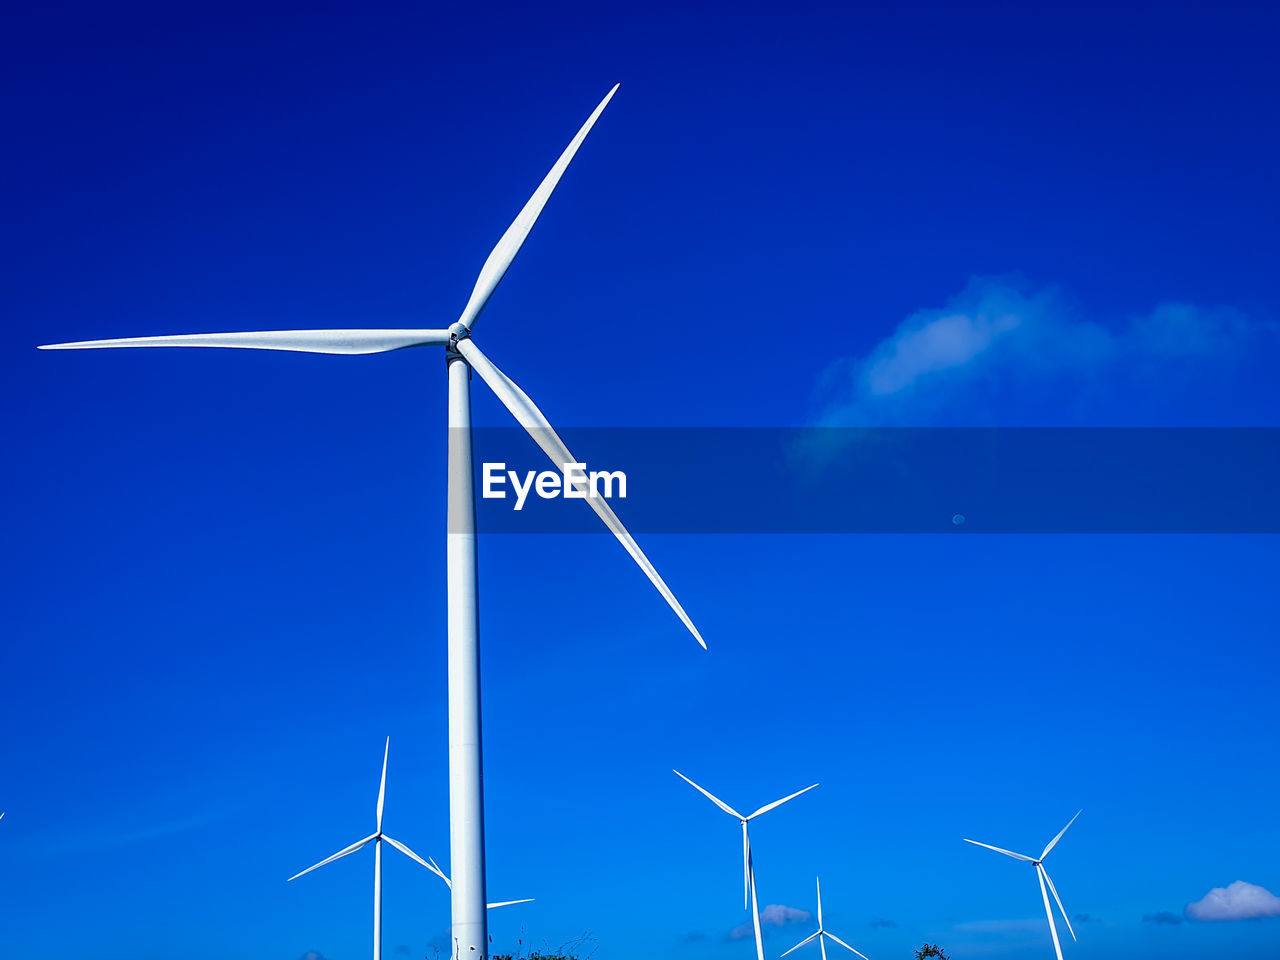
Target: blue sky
x=223, y=575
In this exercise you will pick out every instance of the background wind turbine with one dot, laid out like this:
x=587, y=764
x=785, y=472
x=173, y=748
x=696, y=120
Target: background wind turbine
x=466, y=792
x=823, y=932
x=376, y=837
x=1043, y=876
x=748, y=867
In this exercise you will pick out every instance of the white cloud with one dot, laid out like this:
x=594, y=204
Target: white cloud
x=773, y=915
x=777, y=915
x=1239, y=901
x=1003, y=353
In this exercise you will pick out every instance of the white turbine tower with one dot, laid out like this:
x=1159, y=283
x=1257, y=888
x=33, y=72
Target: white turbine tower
x=376, y=838
x=1043, y=876
x=823, y=932
x=748, y=866
x=466, y=794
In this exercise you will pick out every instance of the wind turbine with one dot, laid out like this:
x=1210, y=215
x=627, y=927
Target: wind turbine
x=466, y=793
x=376, y=837
x=748, y=868
x=1043, y=876
x=823, y=932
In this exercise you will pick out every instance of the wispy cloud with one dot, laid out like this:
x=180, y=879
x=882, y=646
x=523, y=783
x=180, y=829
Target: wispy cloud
x=884, y=923
x=313, y=955
x=1162, y=919
x=773, y=915
x=1239, y=901
x=1005, y=353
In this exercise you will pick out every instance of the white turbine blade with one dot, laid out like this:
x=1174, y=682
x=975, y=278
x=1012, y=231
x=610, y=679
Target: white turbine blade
x=495, y=267
x=440, y=873
x=718, y=802
x=777, y=803
x=1007, y=853
x=382, y=786
x=409, y=853
x=538, y=427
x=1048, y=912
x=1054, y=842
x=845, y=945
x=303, y=341
x=508, y=903
x=808, y=939
x=818, y=883
x=1054, y=890
x=755, y=919
x=337, y=856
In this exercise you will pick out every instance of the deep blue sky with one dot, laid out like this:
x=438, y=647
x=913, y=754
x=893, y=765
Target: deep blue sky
x=223, y=571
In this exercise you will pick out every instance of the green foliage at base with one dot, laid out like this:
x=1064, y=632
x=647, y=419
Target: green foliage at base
x=931, y=950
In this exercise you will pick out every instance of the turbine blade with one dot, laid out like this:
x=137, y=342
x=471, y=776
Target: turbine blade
x=337, y=856
x=538, y=427
x=302, y=341
x=508, y=903
x=382, y=787
x=808, y=939
x=717, y=801
x=1054, y=842
x=755, y=919
x=1007, y=853
x=440, y=873
x=777, y=803
x=845, y=945
x=1048, y=912
x=495, y=267
x=818, y=883
x=413, y=856
x=1054, y=890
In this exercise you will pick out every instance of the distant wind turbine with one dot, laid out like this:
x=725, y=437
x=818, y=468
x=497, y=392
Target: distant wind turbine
x=1043, y=876
x=748, y=868
x=466, y=792
x=376, y=837
x=823, y=932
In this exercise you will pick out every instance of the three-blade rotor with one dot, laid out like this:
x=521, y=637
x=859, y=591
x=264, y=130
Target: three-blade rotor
x=1045, y=881
x=359, y=341
x=747, y=877
x=823, y=932
x=377, y=835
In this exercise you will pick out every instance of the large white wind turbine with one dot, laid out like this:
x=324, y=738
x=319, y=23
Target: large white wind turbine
x=823, y=932
x=466, y=795
x=1043, y=876
x=748, y=866
x=376, y=839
